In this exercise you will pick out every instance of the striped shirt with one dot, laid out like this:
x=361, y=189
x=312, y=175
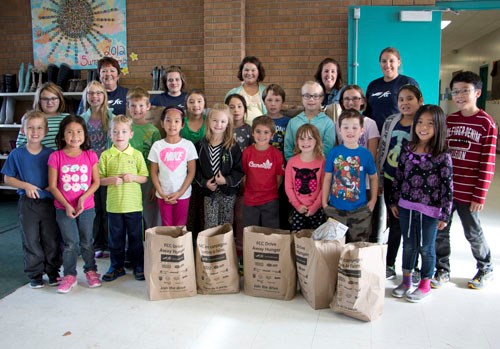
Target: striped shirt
x=472, y=144
x=126, y=197
x=50, y=138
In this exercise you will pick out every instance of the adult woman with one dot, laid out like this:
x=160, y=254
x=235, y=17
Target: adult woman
x=251, y=73
x=174, y=82
x=382, y=93
x=329, y=76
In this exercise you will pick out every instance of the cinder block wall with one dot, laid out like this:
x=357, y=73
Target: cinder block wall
x=208, y=38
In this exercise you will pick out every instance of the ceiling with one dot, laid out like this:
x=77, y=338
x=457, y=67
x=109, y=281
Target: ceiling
x=467, y=27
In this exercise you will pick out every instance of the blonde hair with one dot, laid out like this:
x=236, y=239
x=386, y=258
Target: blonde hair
x=103, y=109
x=228, y=139
x=35, y=114
x=122, y=119
x=313, y=131
x=137, y=93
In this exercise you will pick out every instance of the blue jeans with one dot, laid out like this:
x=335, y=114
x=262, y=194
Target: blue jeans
x=78, y=238
x=473, y=233
x=123, y=225
x=419, y=236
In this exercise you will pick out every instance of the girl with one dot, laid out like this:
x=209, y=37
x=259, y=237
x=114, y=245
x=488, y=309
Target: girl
x=73, y=179
x=174, y=82
x=382, y=92
x=242, y=130
x=172, y=169
x=194, y=122
x=98, y=116
x=251, y=72
x=395, y=135
x=422, y=197
x=50, y=100
x=218, y=169
x=303, y=179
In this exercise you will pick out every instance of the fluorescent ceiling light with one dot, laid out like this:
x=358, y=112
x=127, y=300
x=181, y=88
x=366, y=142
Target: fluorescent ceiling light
x=444, y=24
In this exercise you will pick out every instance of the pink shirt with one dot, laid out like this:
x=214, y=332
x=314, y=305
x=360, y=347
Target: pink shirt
x=74, y=176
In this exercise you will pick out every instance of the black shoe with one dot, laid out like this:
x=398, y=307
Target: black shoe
x=113, y=274
x=139, y=274
x=53, y=279
x=127, y=265
x=37, y=282
x=390, y=273
x=481, y=278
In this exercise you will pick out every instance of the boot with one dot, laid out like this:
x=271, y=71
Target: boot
x=21, y=78
x=64, y=75
x=160, y=77
x=10, y=108
x=80, y=86
x=52, y=73
x=10, y=83
x=72, y=85
x=33, y=77
x=40, y=79
x=3, y=111
x=154, y=74
x=27, y=80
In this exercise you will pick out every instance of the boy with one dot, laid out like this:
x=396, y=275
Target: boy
x=144, y=135
x=344, y=185
x=312, y=97
x=274, y=97
x=122, y=168
x=263, y=166
x=472, y=137
x=26, y=169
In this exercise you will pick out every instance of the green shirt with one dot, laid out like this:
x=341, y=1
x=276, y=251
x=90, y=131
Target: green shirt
x=126, y=197
x=190, y=135
x=50, y=138
x=144, y=137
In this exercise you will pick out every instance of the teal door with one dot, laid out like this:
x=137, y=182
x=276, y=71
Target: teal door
x=418, y=42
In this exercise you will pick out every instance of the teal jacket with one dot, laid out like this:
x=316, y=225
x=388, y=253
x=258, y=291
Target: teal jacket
x=237, y=91
x=322, y=122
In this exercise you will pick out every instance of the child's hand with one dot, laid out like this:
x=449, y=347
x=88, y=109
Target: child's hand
x=80, y=206
x=128, y=178
x=71, y=212
x=32, y=191
x=303, y=210
x=371, y=204
x=172, y=198
x=476, y=207
x=212, y=184
x=395, y=211
x=116, y=180
x=219, y=179
x=441, y=225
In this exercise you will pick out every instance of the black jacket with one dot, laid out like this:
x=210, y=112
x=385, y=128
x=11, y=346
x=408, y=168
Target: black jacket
x=230, y=168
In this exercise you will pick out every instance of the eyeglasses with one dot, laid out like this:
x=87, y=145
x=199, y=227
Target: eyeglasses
x=307, y=96
x=95, y=93
x=464, y=91
x=353, y=99
x=49, y=99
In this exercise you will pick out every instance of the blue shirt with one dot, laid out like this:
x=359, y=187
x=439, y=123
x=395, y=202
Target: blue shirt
x=278, y=140
x=29, y=168
x=349, y=168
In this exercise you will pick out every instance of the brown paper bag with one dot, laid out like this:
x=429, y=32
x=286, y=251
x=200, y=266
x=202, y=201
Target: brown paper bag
x=269, y=268
x=216, y=261
x=317, y=267
x=169, y=263
x=361, y=281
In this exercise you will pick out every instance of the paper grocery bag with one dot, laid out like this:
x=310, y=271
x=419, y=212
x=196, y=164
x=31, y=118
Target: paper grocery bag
x=169, y=263
x=361, y=281
x=317, y=267
x=216, y=261
x=269, y=268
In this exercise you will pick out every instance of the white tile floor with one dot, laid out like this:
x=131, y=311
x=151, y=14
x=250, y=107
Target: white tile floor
x=119, y=315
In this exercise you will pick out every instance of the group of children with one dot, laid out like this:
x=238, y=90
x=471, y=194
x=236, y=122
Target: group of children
x=332, y=168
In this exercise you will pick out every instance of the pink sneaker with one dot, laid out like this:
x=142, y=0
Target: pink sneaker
x=93, y=279
x=66, y=284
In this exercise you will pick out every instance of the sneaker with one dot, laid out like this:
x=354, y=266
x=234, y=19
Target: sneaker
x=415, y=277
x=390, y=273
x=93, y=278
x=101, y=254
x=37, y=282
x=440, y=277
x=139, y=274
x=54, y=279
x=66, y=284
x=481, y=278
x=113, y=274
x=401, y=291
x=418, y=296
x=127, y=264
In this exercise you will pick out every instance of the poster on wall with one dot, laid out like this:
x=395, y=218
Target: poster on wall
x=78, y=32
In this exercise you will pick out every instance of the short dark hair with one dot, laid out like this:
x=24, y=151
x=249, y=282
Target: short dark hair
x=467, y=77
x=276, y=89
x=108, y=61
x=264, y=120
x=355, y=88
x=61, y=143
x=350, y=114
x=173, y=69
x=237, y=96
x=258, y=64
